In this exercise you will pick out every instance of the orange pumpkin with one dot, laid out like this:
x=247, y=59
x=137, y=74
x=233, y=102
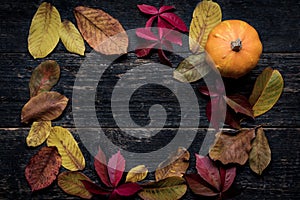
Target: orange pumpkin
x=235, y=47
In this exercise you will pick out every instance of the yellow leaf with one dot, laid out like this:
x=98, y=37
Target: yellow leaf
x=70, y=182
x=38, y=133
x=136, y=174
x=260, y=154
x=266, y=92
x=206, y=16
x=71, y=38
x=102, y=32
x=72, y=158
x=43, y=34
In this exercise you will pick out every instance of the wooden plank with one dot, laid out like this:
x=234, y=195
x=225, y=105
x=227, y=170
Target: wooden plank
x=276, y=22
x=280, y=180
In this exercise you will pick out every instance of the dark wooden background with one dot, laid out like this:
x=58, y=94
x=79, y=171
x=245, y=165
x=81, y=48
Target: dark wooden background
x=278, y=23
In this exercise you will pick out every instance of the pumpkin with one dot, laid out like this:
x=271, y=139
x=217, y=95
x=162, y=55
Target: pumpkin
x=235, y=48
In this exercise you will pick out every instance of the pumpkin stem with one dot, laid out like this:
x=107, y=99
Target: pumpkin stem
x=236, y=45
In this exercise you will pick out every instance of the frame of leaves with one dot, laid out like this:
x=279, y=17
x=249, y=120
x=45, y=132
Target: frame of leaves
x=215, y=172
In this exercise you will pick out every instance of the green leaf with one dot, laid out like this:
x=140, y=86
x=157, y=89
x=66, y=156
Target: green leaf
x=44, y=77
x=266, y=92
x=193, y=68
x=171, y=188
x=260, y=154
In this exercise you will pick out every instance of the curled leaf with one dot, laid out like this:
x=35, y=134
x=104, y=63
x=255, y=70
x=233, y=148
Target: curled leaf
x=260, y=154
x=171, y=188
x=43, y=168
x=71, y=183
x=232, y=148
x=102, y=32
x=38, y=133
x=206, y=16
x=239, y=104
x=44, y=77
x=45, y=106
x=136, y=174
x=72, y=158
x=175, y=165
x=43, y=34
x=191, y=69
x=266, y=92
x=71, y=38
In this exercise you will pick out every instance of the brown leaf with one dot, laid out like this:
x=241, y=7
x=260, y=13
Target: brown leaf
x=102, y=32
x=232, y=148
x=44, y=77
x=43, y=168
x=45, y=106
x=175, y=165
x=260, y=154
x=239, y=104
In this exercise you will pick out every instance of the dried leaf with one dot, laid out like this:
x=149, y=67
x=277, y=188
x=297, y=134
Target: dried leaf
x=199, y=186
x=191, y=69
x=101, y=31
x=171, y=188
x=206, y=16
x=44, y=77
x=127, y=189
x=116, y=167
x=175, y=165
x=95, y=189
x=260, y=154
x=72, y=158
x=266, y=92
x=232, y=148
x=43, y=168
x=71, y=38
x=43, y=34
x=239, y=104
x=38, y=133
x=45, y=106
x=136, y=174
x=71, y=183
x=100, y=164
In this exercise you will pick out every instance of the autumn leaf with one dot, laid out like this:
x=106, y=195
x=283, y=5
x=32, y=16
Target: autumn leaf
x=260, y=154
x=102, y=32
x=43, y=34
x=175, y=165
x=43, y=168
x=171, y=188
x=206, y=16
x=116, y=167
x=239, y=104
x=192, y=68
x=232, y=148
x=38, y=133
x=127, y=189
x=44, y=77
x=46, y=106
x=199, y=186
x=95, y=189
x=72, y=158
x=100, y=165
x=266, y=92
x=71, y=38
x=71, y=183
x=136, y=174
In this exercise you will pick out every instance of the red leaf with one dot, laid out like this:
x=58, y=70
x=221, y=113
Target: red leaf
x=163, y=58
x=199, y=186
x=147, y=9
x=208, y=171
x=174, y=37
x=165, y=8
x=146, y=33
x=227, y=177
x=204, y=90
x=175, y=21
x=150, y=21
x=239, y=104
x=128, y=189
x=114, y=196
x=142, y=52
x=95, y=189
x=116, y=167
x=101, y=167
x=232, y=119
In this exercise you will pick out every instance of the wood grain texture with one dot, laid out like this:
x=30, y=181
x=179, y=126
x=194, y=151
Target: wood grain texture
x=278, y=25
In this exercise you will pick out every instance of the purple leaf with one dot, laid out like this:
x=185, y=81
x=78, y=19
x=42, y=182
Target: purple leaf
x=101, y=167
x=146, y=33
x=116, y=167
x=147, y=9
x=208, y=171
x=165, y=8
x=227, y=177
x=95, y=189
x=128, y=189
x=199, y=186
x=240, y=104
x=175, y=21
